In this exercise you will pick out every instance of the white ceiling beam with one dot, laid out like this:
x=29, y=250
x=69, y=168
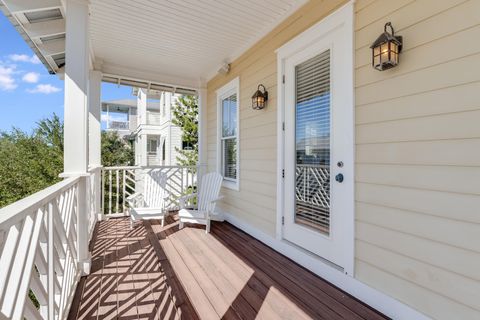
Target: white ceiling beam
x=17, y=6
x=52, y=47
x=146, y=76
x=46, y=28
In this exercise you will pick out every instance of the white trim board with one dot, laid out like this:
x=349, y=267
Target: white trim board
x=341, y=19
x=372, y=297
x=232, y=87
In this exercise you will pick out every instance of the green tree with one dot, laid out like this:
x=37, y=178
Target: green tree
x=115, y=150
x=185, y=116
x=32, y=162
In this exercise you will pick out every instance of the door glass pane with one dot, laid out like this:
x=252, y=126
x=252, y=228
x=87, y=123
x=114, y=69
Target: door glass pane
x=312, y=143
x=229, y=116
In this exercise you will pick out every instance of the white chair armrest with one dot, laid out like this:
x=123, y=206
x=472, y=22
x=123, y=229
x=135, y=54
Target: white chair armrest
x=188, y=196
x=182, y=201
x=134, y=196
x=217, y=199
x=135, y=200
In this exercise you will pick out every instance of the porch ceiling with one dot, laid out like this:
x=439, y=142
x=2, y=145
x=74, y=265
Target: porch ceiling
x=179, y=41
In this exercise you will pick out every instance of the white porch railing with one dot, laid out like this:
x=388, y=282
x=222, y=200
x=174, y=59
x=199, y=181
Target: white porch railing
x=39, y=252
x=118, y=125
x=118, y=183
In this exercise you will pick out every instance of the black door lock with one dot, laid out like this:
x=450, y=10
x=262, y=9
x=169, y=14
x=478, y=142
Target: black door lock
x=339, y=178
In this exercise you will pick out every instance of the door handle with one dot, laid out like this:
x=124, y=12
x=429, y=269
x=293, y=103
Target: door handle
x=339, y=178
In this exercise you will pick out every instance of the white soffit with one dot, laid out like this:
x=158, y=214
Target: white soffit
x=179, y=39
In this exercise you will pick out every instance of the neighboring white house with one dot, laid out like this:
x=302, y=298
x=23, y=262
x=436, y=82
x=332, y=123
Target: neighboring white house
x=148, y=122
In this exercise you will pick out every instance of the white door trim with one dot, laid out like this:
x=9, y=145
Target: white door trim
x=342, y=17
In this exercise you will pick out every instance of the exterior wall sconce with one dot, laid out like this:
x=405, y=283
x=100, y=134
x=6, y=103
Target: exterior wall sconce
x=259, y=98
x=386, y=49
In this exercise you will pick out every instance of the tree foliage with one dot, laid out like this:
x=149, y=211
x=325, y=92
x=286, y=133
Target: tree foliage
x=115, y=150
x=185, y=116
x=32, y=162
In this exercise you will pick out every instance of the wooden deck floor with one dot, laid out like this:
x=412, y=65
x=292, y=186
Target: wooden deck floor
x=152, y=272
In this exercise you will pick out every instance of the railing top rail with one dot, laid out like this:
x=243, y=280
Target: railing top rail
x=121, y=167
x=17, y=211
x=166, y=167
x=147, y=167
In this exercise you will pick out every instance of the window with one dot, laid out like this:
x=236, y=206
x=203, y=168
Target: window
x=187, y=145
x=227, y=146
x=152, y=145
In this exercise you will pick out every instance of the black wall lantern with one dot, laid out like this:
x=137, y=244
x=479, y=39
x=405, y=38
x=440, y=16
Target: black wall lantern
x=385, y=49
x=259, y=98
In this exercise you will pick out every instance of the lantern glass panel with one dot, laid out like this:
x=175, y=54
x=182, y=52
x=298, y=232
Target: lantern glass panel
x=395, y=57
x=384, y=47
x=376, y=60
x=260, y=101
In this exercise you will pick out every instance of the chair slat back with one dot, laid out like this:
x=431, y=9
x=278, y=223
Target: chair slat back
x=155, y=189
x=209, y=190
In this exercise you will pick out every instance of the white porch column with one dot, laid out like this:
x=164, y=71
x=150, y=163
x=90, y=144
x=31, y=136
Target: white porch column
x=202, y=127
x=94, y=144
x=94, y=118
x=143, y=149
x=142, y=107
x=76, y=114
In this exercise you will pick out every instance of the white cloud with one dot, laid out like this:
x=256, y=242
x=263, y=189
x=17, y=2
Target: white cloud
x=7, y=82
x=44, y=88
x=24, y=58
x=31, y=77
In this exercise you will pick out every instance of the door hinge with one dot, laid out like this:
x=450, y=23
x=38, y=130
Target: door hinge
x=283, y=126
x=283, y=220
x=283, y=79
x=283, y=173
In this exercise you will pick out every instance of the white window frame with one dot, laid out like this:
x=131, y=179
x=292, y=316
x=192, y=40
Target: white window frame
x=233, y=87
x=149, y=140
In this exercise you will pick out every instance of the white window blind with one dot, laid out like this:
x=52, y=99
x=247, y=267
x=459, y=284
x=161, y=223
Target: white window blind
x=313, y=142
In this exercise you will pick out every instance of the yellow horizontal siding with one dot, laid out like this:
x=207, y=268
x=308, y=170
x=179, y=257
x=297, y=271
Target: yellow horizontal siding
x=418, y=157
x=417, y=149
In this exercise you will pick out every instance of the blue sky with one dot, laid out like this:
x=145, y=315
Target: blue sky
x=28, y=93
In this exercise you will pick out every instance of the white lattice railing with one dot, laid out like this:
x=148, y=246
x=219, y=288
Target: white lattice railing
x=312, y=194
x=39, y=251
x=120, y=182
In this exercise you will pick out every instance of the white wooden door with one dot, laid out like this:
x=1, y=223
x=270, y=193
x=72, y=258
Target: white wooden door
x=318, y=149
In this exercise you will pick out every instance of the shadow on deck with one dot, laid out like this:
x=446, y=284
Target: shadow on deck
x=152, y=272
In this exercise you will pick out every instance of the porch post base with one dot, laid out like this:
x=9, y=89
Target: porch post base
x=85, y=266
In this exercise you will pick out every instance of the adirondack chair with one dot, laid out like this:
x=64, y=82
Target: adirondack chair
x=206, y=200
x=151, y=203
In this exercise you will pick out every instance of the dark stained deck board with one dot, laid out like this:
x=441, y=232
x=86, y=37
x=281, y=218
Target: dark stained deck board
x=127, y=279
x=297, y=292
x=154, y=272
x=293, y=275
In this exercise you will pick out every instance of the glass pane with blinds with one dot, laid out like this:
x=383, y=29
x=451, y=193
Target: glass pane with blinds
x=312, y=139
x=229, y=147
x=229, y=116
